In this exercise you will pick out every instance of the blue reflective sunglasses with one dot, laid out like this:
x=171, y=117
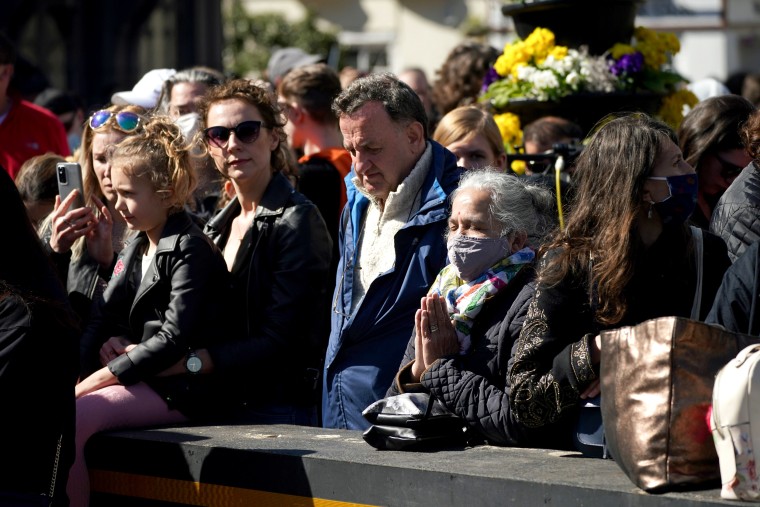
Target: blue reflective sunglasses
x=126, y=121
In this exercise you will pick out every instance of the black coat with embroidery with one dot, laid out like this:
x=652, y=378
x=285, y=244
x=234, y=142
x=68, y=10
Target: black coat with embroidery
x=179, y=305
x=552, y=363
x=280, y=300
x=474, y=385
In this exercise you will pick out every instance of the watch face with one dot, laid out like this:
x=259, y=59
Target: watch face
x=193, y=364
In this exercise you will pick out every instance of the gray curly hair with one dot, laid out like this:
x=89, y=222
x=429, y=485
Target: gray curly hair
x=515, y=205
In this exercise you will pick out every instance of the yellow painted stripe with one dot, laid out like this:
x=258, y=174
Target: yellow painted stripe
x=197, y=493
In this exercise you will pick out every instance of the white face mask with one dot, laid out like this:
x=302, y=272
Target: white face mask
x=472, y=256
x=189, y=123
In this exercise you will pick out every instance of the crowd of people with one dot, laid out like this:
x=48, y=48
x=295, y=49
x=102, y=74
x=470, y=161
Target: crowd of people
x=291, y=251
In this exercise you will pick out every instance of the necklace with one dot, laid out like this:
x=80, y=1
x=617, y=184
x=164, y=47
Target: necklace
x=240, y=227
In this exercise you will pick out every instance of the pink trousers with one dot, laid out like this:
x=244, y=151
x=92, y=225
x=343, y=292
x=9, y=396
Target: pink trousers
x=111, y=408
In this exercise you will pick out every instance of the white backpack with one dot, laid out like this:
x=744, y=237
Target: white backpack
x=735, y=424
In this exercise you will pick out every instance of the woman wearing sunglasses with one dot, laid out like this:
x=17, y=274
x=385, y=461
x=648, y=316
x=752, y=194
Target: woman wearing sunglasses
x=709, y=139
x=278, y=250
x=736, y=218
x=83, y=242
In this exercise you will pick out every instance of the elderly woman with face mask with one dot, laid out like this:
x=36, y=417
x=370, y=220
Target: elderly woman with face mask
x=466, y=325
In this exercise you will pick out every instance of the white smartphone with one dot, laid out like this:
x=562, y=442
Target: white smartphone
x=70, y=178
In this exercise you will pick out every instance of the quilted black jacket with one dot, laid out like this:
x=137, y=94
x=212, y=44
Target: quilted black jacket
x=737, y=303
x=473, y=385
x=736, y=218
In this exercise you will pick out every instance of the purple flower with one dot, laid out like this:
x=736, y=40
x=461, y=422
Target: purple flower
x=628, y=64
x=490, y=77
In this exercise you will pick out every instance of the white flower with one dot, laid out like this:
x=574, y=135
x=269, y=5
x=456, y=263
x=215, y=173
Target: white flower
x=545, y=80
x=597, y=74
x=573, y=79
x=526, y=72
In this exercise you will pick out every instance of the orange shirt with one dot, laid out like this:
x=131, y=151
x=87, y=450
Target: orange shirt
x=339, y=158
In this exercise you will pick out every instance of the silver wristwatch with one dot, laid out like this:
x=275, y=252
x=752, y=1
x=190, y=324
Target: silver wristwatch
x=193, y=365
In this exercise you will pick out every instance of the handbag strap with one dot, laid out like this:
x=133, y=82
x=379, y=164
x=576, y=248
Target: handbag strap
x=698, y=241
x=55, y=469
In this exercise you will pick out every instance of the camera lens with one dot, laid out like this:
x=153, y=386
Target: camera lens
x=62, y=175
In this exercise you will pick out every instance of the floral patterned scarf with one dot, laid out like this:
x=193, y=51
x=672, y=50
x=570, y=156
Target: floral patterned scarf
x=465, y=300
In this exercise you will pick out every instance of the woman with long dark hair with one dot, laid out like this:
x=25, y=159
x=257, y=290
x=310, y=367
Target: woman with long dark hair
x=625, y=256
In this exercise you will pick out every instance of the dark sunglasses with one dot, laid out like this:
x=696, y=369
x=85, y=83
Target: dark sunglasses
x=126, y=121
x=246, y=132
x=727, y=169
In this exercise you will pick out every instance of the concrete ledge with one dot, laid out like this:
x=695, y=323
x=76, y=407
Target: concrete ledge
x=293, y=465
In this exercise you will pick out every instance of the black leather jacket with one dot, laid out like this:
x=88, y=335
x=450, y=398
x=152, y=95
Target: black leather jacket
x=736, y=218
x=280, y=299
x=179, y=305
x=80, y=276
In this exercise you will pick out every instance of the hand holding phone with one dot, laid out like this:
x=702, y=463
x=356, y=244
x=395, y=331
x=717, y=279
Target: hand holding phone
x=70, y=218
x=69, y=179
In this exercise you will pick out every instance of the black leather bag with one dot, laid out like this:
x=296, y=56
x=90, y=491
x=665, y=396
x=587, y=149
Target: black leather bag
x=413, y=421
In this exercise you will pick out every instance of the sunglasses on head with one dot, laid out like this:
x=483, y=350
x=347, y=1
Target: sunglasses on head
x=727, y=169
x=126, y=121
x=246, y=132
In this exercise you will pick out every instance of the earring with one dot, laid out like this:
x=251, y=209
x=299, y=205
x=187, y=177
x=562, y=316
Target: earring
x=649, y=213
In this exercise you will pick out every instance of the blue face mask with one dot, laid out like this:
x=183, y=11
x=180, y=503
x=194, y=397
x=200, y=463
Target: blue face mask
x=679, y=205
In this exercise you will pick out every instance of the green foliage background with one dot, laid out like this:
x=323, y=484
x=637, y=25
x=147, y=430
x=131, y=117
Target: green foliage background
x=251, y=39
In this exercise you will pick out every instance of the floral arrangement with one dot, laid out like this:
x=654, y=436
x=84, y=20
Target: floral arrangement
x=536, y=68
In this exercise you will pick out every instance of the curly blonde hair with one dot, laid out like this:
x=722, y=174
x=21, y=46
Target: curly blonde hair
x=160, y=152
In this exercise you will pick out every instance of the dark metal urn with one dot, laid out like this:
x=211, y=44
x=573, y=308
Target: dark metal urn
x=598, y=24
x=585, y=109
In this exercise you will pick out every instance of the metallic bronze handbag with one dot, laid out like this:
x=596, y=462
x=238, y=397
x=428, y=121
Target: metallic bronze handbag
x=657, y=380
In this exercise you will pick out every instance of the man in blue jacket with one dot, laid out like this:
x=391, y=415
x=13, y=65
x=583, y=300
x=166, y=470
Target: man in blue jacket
x=391, y=241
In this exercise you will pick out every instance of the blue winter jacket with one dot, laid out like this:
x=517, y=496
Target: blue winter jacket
x=365, y=348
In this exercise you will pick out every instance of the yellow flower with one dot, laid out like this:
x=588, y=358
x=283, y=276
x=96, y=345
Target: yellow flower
x=513, y=56
x=503, y=65
x=618, y=50
x=672, y=109
x=509, y=127
x=655, y=46
x=518, y=167
x=559, y=52
x=653, y=58
x=540, y=43
x=670, y=42
x=643, y=34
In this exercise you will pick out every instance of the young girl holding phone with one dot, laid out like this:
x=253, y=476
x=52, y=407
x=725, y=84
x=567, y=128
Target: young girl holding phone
x=165, y=298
